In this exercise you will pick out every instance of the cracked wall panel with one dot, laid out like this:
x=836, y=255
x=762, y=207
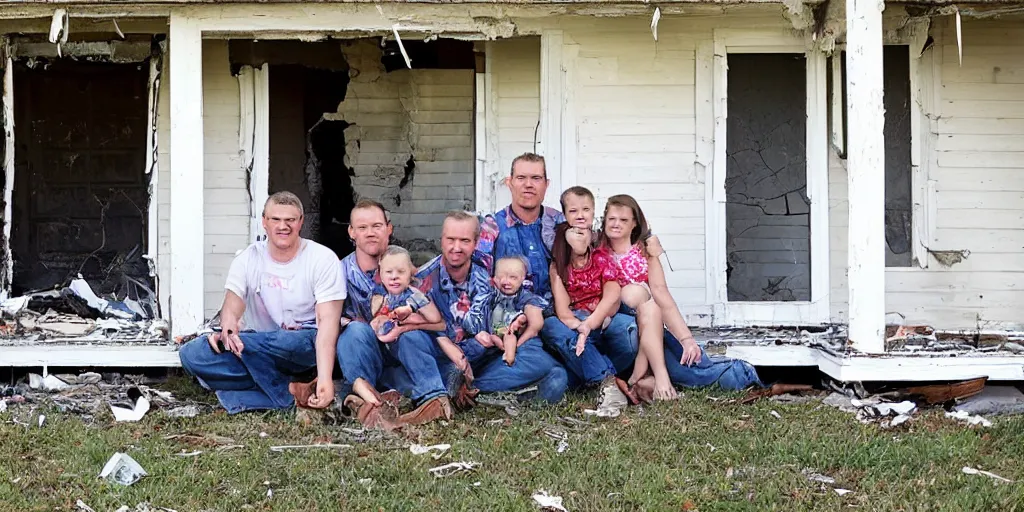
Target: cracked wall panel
x=767, y=209
x=81, y=157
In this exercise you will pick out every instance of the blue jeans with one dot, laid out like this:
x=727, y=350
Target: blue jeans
x=607, y=352
x=729, y=374
x=532, y=366
x=409, y=364
x=259, y=378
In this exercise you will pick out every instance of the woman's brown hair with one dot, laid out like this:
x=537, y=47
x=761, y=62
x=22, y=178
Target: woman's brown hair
x=641, y=232
x=561, y=252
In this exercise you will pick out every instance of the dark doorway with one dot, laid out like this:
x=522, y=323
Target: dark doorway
x=81, y=195
x=767, y=210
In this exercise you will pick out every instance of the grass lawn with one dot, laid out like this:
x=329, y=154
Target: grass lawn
x=700, y=453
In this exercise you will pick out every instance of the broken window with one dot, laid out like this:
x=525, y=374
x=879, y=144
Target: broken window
x=81, y=198
x=357, y=122
x=898, y=139
x=767, y=209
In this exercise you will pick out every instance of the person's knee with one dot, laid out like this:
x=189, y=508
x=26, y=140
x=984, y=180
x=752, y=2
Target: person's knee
x=194, y=353
x=554, y=384
x=648, y=314
x=634, y=295
x=356, y=335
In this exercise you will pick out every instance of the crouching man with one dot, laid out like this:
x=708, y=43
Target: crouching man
x=279, y=321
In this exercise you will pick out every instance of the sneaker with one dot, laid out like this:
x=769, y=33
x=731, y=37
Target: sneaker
x=434, y=409
x=611, y=400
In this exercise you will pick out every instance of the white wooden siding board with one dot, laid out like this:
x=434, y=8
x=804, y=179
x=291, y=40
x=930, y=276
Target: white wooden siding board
x=996, y=126
x=1005, y=160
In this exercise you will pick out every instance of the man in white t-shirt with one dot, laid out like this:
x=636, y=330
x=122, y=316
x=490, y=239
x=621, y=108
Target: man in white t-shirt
x=280, y=320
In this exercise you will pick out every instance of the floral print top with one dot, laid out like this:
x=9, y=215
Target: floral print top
x=585, y=285
x=633, y=265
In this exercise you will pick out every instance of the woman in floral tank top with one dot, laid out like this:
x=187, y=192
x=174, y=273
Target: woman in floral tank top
x=626, y=236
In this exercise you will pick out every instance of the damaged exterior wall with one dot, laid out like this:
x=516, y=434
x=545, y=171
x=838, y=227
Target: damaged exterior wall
x=409, y=142
x=636, y=134
x=976, y=184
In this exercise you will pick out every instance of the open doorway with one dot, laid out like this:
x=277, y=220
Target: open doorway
x=349, y=119
x=81, y=195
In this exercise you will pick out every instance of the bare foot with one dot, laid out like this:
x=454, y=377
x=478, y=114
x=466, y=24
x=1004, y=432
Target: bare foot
x=644, y=389
x=366, y=392
x=664, y=391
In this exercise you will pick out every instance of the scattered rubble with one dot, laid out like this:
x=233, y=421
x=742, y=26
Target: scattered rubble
x=280, y=449
x=971, y=420
x=122, y=469
x=548, y=502
x=90, y=394
x=873, y=409
x=453, y=468
x=187, y=411
x=439, y=449
x=139, y=408
x=971, y=471
x=76, y=315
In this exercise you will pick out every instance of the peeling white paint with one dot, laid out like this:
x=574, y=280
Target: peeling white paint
x=152, y=166
x=654, y=22
x=8, y=169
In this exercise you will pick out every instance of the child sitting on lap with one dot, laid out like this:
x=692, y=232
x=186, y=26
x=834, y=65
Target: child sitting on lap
x=516, y=314
x=395, y=301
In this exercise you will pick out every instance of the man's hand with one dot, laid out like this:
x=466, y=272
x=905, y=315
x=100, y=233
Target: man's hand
x=401, y=313
x=691, y=352
x=229, y=338
x=484, y=339
x=324, y=394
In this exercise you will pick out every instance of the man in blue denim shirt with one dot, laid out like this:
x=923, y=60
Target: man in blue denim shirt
x=462, y=291
x=527, y=228
x=364, y=360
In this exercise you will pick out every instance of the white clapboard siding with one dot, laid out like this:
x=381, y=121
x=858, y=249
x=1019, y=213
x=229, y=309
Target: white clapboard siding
x=226, y=196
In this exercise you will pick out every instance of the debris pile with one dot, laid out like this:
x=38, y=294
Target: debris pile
x=895, y=407
x=126, y=398
x=75, y=314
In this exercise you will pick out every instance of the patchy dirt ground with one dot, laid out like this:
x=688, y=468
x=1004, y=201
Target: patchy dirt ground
x=704, y=452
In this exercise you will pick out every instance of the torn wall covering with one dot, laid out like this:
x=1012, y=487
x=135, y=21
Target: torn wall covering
x=409, y=141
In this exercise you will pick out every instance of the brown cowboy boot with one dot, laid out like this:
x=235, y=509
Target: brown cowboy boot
x=383, y=416
x=465, y=398
x=434, y=409
x=302, y=391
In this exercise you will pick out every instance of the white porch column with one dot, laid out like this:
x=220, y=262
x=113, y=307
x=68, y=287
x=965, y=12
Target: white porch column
x=552, y=92
x=186, y=230
x=866, y=170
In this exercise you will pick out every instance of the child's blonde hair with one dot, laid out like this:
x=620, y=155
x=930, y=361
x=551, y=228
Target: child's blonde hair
x=394, y=250
x=518, y=258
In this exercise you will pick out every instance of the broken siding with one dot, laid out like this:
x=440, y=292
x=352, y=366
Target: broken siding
x=226, y=196
x=409, y=144
x=979, y=188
